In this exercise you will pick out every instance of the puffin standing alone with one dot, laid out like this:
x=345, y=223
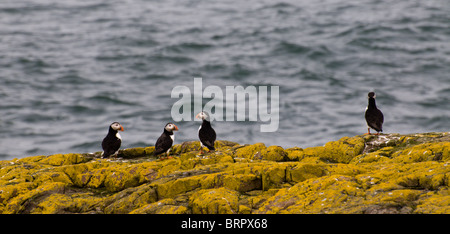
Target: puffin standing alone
x=206, y=133
x=374, y=117
x=165, y=141
x=111, y=143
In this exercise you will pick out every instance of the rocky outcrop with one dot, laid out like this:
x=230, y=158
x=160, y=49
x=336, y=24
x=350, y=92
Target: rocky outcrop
x=362, y=174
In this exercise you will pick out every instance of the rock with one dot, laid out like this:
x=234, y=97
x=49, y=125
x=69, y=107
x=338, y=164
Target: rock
x=224, y=145
x=304, y=171
x=274, y=153
x=214, y=201
x=242, y=182
x=320, y=195
x=344, y=150
x=250, y=151
x=295, y=154
x=389, y=173
x=169, y=189
x=273, y=176
x=425, y=152
x=165, y=206
x=135, y=152
x=130, y=199
x=185, y=147
x=64, y=159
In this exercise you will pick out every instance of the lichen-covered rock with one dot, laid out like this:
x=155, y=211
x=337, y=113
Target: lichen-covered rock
x=19, y=202
x=273, y=176
x=175, y=187
x=130, y=199
x=425, y=152
x=242, y=182
x=214, y=201
x=186, y=147
x=295, y=154
x=434, y=202
x=304, y=171
x=135, y=152
x=224, y=145
x=342, y=151
x=64, y=159
x=385, y=174
x=165, y=206
x=60, y=203
x=274, y=153
x=250, y=151
x=322, y=195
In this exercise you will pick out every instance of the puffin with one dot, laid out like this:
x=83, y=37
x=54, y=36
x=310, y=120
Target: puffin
x=206, y=133
x=165, y=141
x=111, y=143
x=374, y=117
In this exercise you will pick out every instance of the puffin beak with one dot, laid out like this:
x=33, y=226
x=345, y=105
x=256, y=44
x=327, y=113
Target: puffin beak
x=198, y=116
x=176, y=128
x=121, y=128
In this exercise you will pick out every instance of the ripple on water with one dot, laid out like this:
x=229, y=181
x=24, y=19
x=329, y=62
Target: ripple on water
x=70, y=68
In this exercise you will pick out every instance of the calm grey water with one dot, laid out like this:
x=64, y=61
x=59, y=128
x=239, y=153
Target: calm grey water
x=70, y=68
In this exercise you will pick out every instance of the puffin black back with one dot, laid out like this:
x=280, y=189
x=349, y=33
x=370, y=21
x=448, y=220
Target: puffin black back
x=374, y=117
x=112, y=142
x=165, y=141
x=207, y=135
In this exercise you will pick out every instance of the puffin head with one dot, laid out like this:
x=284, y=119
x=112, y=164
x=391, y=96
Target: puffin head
x=371, y=95
x=203, y=115
x=116, y=126
x=171, y=127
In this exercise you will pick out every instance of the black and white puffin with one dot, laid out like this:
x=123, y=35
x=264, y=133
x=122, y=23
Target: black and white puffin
x=206, y=133
x=165, y=141
x=374, y=117
x=111, y=143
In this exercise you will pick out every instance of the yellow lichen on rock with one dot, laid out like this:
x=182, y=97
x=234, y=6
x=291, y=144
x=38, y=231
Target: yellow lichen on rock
x=175, y=187
x=426, y=152
x=214, y=201
x=64, y=159
x=304, y=171
x=295, y=154
x=390, y=173
x=344, y=150
x=165, y=206
x=250, y=151
x=274, y=153
x=242, y=182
